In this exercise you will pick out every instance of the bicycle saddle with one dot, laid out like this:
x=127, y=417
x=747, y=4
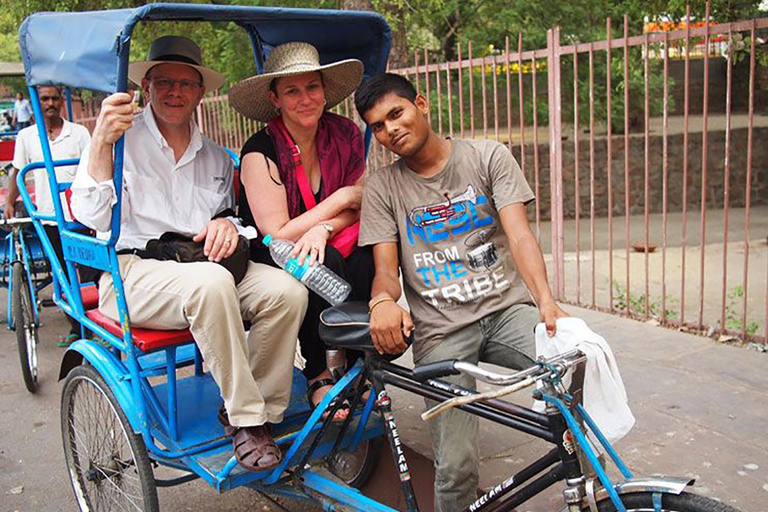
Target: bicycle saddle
x=348, y=326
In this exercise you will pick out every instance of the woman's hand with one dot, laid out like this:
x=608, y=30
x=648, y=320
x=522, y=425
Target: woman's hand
x=312, y=244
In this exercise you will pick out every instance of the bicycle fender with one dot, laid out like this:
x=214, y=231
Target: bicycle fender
x=111, y=369
x=661, y=484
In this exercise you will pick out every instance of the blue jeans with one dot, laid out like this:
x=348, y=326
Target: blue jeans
x=504, y=338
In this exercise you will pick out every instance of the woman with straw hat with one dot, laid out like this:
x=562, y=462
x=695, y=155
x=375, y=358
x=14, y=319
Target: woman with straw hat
x=301, y=179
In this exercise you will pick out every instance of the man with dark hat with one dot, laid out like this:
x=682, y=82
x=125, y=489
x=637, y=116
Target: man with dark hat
x=176, y=180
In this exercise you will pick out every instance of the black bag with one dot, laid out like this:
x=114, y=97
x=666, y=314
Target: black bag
x=181, y=248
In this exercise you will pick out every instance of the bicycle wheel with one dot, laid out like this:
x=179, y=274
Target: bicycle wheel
x=108, y=463
x=683, y=502
x=355, y=468
x=26, y=330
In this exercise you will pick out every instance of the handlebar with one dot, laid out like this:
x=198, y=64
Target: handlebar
x=542, y=368
x=436, y=370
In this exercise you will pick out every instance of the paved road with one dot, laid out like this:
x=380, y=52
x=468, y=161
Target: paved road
x=700, y=407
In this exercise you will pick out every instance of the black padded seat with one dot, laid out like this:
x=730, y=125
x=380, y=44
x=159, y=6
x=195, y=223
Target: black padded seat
x=347, y=326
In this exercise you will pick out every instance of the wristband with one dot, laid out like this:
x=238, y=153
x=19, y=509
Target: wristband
x=379, y=301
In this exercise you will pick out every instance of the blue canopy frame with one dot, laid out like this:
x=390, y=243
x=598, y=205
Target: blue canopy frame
x=90, y=49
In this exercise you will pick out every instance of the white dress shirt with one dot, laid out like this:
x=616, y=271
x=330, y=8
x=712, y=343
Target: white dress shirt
x=70, y=143
x=159, y=194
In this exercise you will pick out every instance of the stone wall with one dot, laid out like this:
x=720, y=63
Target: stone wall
x=715, y=172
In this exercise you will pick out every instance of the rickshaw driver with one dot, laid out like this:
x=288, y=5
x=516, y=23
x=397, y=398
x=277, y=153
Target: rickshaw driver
x=451, y=214
x=67, y=140
x=176, y=180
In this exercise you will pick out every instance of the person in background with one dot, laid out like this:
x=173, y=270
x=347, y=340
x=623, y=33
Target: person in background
x=22, y=112
x=67, y=141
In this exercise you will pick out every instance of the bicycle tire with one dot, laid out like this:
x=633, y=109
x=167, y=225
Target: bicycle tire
x=104, y=456
x=26, y=330
x=355, y=468
x=683, y=502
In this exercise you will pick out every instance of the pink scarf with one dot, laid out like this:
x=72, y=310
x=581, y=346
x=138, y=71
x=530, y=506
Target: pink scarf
x=339, y=148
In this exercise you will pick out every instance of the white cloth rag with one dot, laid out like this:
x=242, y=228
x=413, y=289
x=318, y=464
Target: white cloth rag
x=604, y=398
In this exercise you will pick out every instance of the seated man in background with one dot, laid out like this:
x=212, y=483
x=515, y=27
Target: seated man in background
x=451, y=214
x=176, y=180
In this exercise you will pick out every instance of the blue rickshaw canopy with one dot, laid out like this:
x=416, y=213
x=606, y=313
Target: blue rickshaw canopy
x=90, y=50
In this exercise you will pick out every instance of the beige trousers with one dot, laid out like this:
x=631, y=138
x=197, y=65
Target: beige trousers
x=254, y=374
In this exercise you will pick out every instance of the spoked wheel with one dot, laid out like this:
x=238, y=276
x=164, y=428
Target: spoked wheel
x=26, y=330
x=683, y=502
x=355, y=468
x=108, y=463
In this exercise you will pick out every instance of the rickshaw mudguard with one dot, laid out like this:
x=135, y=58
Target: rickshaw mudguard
x=113, y=371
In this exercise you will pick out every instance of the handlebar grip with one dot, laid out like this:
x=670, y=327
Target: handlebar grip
x=435, y=370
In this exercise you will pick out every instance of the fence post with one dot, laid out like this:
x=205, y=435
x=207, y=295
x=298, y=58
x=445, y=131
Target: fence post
x=556, y=161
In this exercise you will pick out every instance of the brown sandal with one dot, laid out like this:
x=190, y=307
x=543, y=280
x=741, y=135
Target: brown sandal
x=255, y=450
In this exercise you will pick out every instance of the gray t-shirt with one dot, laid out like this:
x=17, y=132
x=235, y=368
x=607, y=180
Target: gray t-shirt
x=454, y=255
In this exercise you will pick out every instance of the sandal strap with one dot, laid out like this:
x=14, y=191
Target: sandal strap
x=320, y=383
x=252, y=444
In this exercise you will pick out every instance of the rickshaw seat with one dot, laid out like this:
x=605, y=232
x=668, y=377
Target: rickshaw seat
x=145, y=339
x=90, y=295
x=348, y=326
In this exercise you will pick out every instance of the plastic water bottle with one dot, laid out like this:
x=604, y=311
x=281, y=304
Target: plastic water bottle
x=318, y=278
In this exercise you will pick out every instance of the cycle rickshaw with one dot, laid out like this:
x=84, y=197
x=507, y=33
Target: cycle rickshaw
x=124, y=407
x=24, y=268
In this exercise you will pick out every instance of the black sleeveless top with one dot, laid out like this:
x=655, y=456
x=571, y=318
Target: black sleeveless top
x=260, y=142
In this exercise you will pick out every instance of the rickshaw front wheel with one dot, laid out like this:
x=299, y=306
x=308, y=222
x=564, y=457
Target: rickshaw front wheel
x=26, y=330
x=108, y=463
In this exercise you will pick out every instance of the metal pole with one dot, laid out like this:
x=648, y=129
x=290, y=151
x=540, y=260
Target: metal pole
x=556, y=161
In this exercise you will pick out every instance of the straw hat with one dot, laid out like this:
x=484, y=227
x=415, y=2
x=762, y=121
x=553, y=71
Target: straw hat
x=249, y=97
x=175, y=50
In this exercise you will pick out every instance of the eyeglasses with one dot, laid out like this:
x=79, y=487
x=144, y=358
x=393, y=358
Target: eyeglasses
x=166, y=84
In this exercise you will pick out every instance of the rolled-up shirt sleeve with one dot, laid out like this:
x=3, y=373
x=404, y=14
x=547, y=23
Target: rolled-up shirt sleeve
x=92, y=202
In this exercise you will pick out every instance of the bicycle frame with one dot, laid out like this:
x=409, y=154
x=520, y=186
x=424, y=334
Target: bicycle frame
x=560, y=425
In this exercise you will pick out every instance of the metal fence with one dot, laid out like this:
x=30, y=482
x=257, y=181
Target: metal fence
x=629, y=170
x=631, y=144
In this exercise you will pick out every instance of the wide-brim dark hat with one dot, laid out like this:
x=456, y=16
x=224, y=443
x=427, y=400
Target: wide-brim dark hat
x=249, y=97
x=175, y=50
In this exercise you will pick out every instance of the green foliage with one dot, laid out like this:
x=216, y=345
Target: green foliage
x=225, y=46
x=635, y=303
x=733, y=319
x=438, y=25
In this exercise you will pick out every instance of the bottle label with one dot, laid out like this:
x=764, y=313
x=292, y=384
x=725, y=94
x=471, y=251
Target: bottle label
x=300, y=272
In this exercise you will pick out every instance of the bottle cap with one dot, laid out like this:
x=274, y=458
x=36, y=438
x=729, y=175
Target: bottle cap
x=266, y=240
